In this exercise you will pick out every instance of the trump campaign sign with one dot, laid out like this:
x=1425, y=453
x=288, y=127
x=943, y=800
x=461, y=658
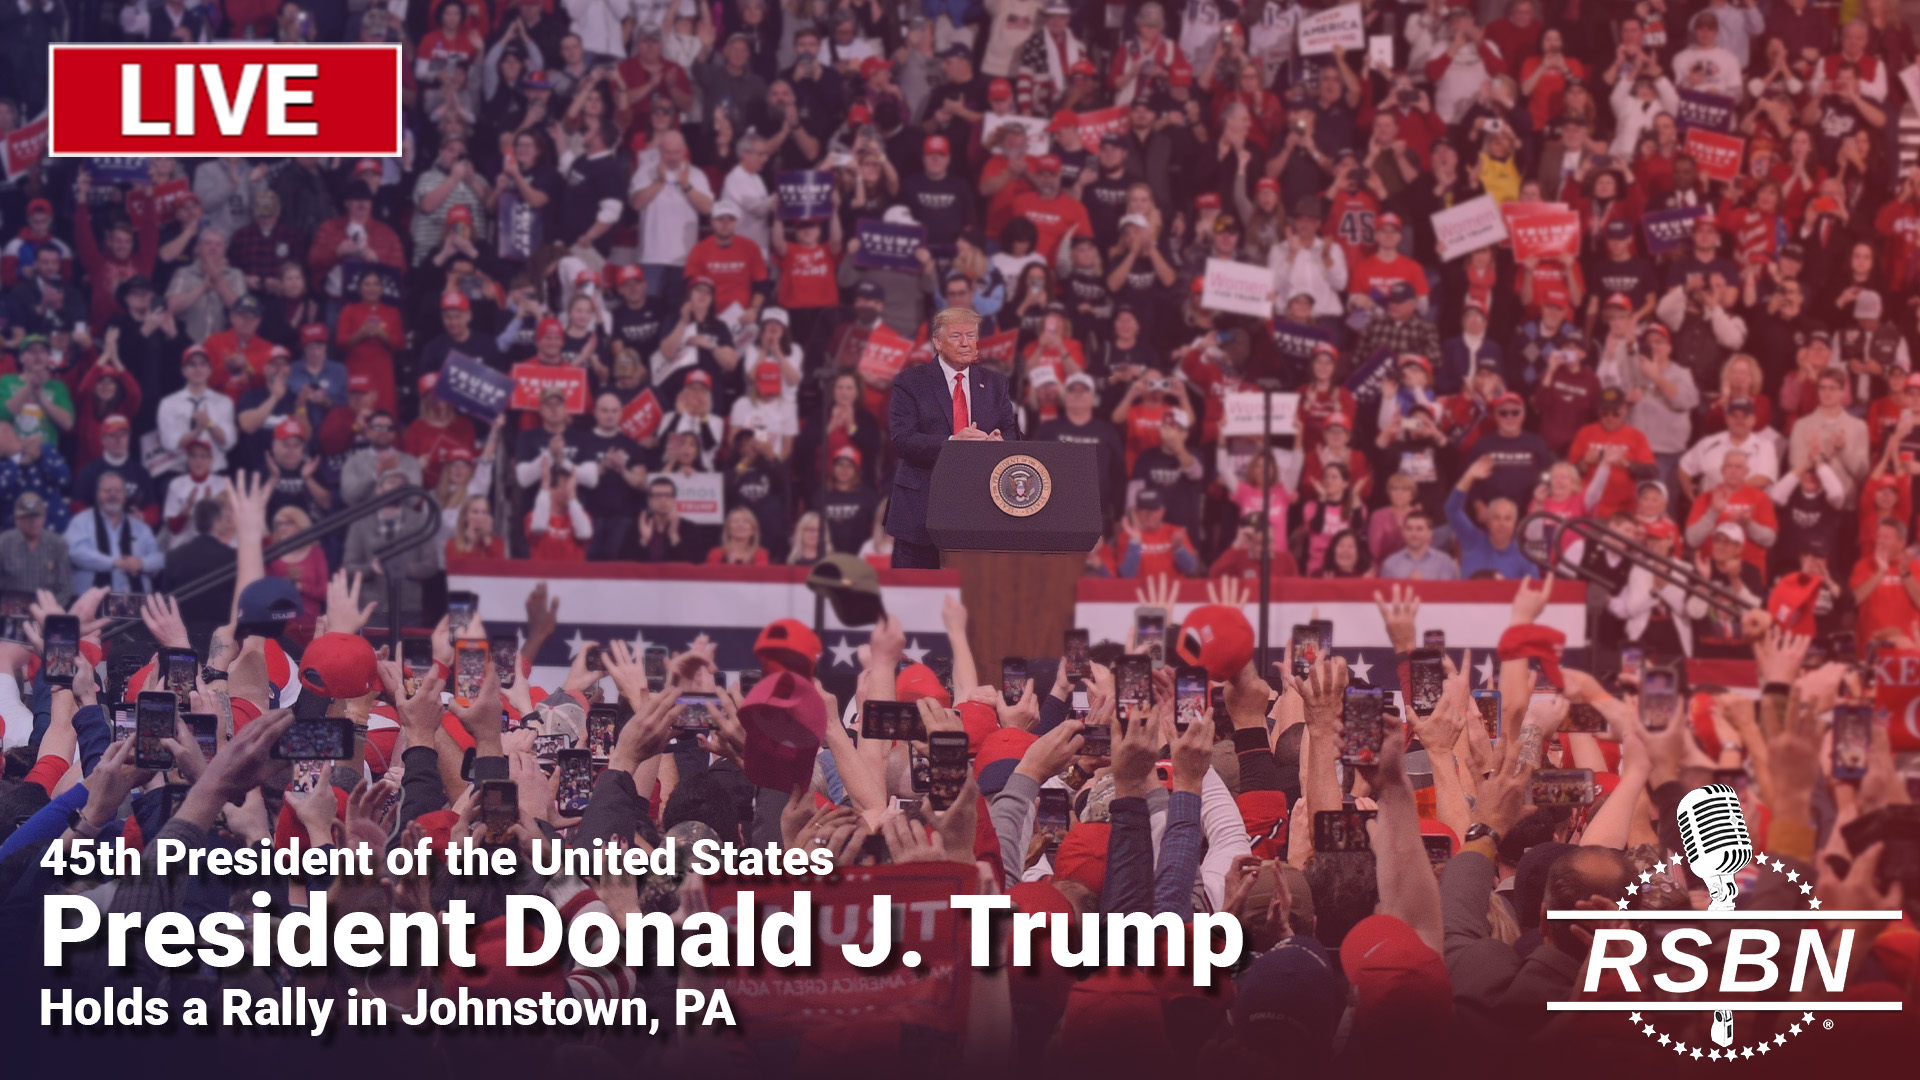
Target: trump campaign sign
x=224, y=100
x=1544, y=233
x=1717, y=155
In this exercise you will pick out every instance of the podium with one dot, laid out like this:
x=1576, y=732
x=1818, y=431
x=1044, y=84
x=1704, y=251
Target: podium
x=1016, y=519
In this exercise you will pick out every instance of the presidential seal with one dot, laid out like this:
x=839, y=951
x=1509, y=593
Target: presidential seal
x=1020, y=486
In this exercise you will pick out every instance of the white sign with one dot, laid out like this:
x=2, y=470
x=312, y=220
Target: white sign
x=702, y=497
x=1242, y=414
x=1470, y=226
x=1380, y=52
x=1241, y=288
x=1334, y=28
x=1037, y=142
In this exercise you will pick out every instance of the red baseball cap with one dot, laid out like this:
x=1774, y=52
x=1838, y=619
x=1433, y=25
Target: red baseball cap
x=428, y=381
x=1208, y=201
x=699, y=378
x=767, y=378
x=631, y=272
x=788, y=644
x=917, y=681
x=316, y=333
x=1064, y=119
x=999, y=90
x=115, y=423
x=1400, y=982
x=549, y=325
x=1181, y=72
x=1218, y=638
x=460, y=214
x=1660, y=529
x=980, y=721
x=1389, y=221
x=873, y=65
x=1508, y=398
x=1267, y=183
x=290, y=429
x=339, y=666
x=1084, y=67
x=586, y=276
x=1082, y=855
x=453, y=301
x=1531, y=641
x=936, y=144
x=359, y=383
x=1046, y=163
x=39, y=206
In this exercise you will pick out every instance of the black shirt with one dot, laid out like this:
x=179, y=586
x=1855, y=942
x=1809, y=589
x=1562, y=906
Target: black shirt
x=589, y=181
x=1104, y=439
x=944, y=206
x=641, y=328
x=849, y=517
x=612, y=496
x=1106, y=203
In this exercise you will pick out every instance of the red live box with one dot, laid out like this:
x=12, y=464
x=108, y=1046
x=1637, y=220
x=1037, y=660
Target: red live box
x=238, y=100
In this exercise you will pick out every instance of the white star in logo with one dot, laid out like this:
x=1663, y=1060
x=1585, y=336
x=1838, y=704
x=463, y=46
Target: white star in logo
x=1806, y=1018
x=1712, y=1055
x=1764, y=1048
x=843, y=652
x=1633, y=1019
x=575, y=643
x=1485, y=668
x=1806, y=887
x=1778, y=866
x=915, y=652
x=1781, y=1040
x=1676, y=858
x=1360, y=668
x=1746, y=1051
x=1645, y=877
x=1648, y=1029
x=1793, y=875
x=1622, y=903
x=1795, y=1029
x=1815, y=905
x=1632, y=889
x=1663, y=1039
x=1696, y=1053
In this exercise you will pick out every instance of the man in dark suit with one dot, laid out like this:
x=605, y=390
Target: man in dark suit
x=947, y=399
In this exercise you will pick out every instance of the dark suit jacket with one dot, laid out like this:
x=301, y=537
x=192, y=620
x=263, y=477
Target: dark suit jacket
x=920, y=419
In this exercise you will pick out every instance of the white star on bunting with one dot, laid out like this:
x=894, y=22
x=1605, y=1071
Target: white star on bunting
x=843, y=652
x=1360, y=668
x=1485, y=669
x=575, y=643
x=1815, y=905
x=915, y=652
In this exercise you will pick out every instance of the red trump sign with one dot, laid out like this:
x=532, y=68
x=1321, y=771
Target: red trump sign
x=224, y=100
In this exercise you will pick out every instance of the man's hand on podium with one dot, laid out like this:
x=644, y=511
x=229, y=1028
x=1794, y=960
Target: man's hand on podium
x=972, y=433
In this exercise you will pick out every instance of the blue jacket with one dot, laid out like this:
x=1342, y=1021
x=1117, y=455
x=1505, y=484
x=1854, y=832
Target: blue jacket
x=1477, y=553
x=920, y=420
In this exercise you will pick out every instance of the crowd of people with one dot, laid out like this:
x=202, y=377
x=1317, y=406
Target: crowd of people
x=600, y=190
x=1392, y=912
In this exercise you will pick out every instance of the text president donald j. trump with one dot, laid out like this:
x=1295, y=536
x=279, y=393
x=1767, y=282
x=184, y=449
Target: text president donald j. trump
x=932, y=404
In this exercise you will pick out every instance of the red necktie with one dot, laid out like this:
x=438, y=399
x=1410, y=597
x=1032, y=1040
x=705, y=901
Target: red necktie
x=960, y=418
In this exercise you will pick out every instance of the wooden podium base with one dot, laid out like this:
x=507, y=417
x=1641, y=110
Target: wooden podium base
x=1018, y=603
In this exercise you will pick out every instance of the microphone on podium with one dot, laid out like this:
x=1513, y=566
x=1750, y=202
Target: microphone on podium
x=1713, y=837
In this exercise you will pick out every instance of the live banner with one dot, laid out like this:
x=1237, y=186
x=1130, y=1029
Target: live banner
x=779, y=1003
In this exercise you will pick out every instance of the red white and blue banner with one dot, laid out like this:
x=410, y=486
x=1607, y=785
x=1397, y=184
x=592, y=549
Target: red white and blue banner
x=647, y=604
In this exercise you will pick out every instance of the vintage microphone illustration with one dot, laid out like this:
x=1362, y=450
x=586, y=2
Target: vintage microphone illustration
x=1713, y=836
